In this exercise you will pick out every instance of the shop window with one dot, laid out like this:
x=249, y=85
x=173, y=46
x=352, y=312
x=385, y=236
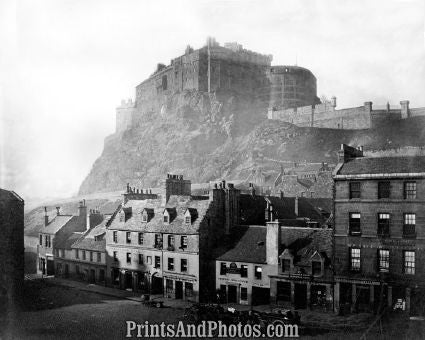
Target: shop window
x=244, y=294
x=169, y=286
x=188, y=289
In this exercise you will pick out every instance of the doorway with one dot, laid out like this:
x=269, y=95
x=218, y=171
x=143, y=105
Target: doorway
x=128, y=280
x=179, y=289
x=260, y=296
x=156, y=285
x=66, y=270
x=232, y=294
x=300, y=296
x=92, y=276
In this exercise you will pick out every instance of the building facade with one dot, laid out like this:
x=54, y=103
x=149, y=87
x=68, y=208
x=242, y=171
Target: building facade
x=11, y=250
x=379, y=231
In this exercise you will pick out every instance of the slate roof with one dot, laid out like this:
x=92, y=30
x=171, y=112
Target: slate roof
x=383, y=165
x=156, y=224
x=9, y=195
x=66, y=240
x=57, y=224
x=88, y=241
x=249, y=245
x=304, y=243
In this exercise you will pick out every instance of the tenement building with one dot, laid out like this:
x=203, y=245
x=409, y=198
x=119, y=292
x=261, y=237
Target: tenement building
x=379, y=231
x=11, y=250
x=162, y=243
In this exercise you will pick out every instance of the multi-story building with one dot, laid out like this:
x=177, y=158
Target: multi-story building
x=63, y=226
x=82, y=255
x=248, y=267
x=379, y=230
x=11, y=250
x=162, y=243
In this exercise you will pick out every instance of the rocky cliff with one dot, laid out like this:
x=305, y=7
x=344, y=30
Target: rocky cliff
x=206, y=137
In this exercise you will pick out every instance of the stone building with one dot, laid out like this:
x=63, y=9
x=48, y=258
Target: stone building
x=11, y=250
x=62, y=226
x=219, y=69
x=82, y=255
x=162, y=243
x=379, y=231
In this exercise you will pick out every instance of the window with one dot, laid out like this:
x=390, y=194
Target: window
x=144, y=218
x=149, y=259
x=244, y=293
x=409, y=262
x=183, y=242
x=41, y=240
x=354, y=224
x=354, y=189
x=384, y=189
x=223, y=268
x=115, y=236
x=128, y=257
x=187, y=219
x=383, y=224
x=355, y=259
x=140, y=258
x=77, y=254
x=183, y=265
x=128, y=237
x=286, y=265
x=409, y=225
x=244, y=270
x=165, y=219
x=140, y=238
x=91, y=256
x=157, y=262
x=84, y=254
x=170, y=263
x=115, y=256
x=258, y=272
x=316, y=268
x=410, y=190
x=47, y=242
x=188, y=289
x=171, y=241
x=122, y=217
x=384, y=260
x=99, y=257
x=158, y=241
x=164, y=82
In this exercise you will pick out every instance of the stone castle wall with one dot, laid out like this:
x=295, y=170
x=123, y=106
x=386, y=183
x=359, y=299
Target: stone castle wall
x=326, y=116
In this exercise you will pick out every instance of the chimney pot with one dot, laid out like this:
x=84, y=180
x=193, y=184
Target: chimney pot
x=58, y=211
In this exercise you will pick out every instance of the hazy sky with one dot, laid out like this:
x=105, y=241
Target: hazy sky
x=66, y=65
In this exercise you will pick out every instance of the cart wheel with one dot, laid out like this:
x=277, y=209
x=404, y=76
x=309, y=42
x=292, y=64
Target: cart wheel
x=158, y=305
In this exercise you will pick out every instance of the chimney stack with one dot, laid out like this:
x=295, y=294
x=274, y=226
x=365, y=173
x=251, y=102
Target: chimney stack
x=58, y=211
x=348, y=152
x=46, y=217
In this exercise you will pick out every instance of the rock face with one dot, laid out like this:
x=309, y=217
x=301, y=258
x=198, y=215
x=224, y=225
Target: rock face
x=206, y=137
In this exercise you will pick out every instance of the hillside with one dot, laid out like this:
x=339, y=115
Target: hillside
x=205, y=138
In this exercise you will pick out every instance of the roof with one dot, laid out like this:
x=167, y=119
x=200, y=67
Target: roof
x=303, y=243
x=56, y=224
x=249, y=245
x=88, y=241
x=156, y=224
x=65, y=240
x=9, y=195
x=383, y=165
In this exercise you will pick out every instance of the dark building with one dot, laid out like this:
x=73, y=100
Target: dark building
x=379, y=231
x=11, y=250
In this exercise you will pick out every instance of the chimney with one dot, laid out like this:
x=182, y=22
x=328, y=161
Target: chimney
x=368, y=107
x=296, y=206
x=348, y=152
x=46, y=217
x=58, y=211
x=281, y=194
x=272, y=244
x=176, y=185
x=231, y=207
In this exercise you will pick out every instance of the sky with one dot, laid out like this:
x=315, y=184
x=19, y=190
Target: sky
x=66, y=65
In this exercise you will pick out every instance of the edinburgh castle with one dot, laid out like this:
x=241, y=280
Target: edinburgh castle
x=287, y=93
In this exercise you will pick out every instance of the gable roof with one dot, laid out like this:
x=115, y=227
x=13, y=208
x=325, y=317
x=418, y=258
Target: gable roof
x=177, y=225
x=88, y=241
x=383, y=165
x=9, y=195
x=56, y=224
x=249, y=245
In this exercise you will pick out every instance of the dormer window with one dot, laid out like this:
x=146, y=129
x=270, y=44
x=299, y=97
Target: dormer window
x=166, y=219
x=286, y=265
x=316, y=268
x=190, y=215
x=147, y=215
x=144, y=218
x=187, y=219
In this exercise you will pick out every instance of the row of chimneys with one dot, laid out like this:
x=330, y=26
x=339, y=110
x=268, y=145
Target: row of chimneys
x=135, y=190
x=81, y=207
